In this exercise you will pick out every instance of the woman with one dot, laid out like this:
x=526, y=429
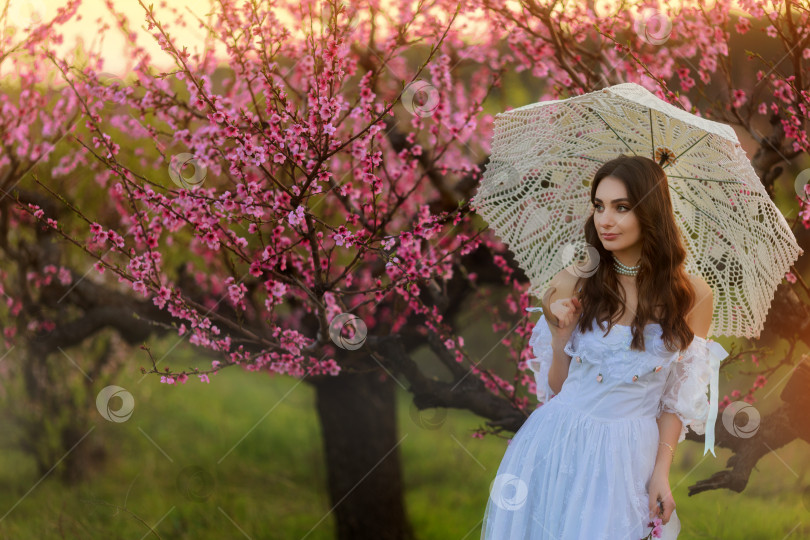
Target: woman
x=593, y=462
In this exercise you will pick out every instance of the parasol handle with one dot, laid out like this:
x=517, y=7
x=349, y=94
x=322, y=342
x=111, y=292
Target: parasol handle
x=550, y=317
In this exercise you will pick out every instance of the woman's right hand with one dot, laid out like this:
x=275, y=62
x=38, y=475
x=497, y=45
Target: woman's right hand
x=564, y=315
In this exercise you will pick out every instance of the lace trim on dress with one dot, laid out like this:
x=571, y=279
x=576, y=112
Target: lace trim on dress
x=686, y=385
x=614, y=358
x=540, y=342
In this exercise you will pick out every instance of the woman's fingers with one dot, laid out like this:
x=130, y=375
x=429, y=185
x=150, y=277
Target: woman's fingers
x=655, y=505
x=669, y=507
x=565, y=311
x=655, y=509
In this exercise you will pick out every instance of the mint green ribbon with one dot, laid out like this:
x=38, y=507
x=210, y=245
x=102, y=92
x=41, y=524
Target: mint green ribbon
x=716, y=354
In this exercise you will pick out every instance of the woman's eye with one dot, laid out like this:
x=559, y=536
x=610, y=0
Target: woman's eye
x=623, y=206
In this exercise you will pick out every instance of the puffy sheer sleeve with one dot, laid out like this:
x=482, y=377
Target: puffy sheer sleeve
x=540, y=342
x=694, y=372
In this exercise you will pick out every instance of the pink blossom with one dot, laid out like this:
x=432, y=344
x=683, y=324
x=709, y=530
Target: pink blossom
x=333, y=367
x=163, y=295
x=211, y=240
x=739, y=98
x=275, y=288
x=236, y=292
x=297, y=216
x=64, y=276
x=138, y=286
x=657, y=525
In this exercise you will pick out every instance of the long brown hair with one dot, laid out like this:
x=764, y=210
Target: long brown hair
x=662, y=280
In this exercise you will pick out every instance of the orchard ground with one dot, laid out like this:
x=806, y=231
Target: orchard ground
x=199, y=469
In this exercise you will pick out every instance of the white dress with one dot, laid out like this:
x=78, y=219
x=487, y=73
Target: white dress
x=580, y=465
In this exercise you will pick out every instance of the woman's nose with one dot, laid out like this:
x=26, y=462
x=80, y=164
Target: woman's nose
x=606, y=219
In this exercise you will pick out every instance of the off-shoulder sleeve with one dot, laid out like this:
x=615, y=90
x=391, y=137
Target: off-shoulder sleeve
x=540, y=342
x=694, y=372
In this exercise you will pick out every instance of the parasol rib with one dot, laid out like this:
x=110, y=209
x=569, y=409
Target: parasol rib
x=706, y=179
x=685, y=151
x=613, y=130
x=681, y=195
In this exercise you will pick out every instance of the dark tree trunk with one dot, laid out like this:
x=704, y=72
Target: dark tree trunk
x=358, y=421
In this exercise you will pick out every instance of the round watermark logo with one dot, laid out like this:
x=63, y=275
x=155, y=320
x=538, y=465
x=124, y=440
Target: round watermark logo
x=195, y=483
x=121, y=414
x=736, y=411
x=653, y=26
x=580, y=259
x=176, y=165
x=420, y=98
x=25, y=13
x=354, y=326
x=509, y=492
x=428, y=420
x=802, y=185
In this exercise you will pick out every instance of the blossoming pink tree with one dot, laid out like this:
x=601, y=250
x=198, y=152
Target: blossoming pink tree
x=303, y=210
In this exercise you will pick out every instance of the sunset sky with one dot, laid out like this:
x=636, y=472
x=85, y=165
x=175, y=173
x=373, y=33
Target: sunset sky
x=86, y=30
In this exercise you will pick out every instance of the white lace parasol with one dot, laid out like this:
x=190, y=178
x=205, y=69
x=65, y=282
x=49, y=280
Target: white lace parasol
x=535, y=193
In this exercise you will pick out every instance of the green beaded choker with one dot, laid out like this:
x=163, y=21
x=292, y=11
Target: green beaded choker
x=624, y=269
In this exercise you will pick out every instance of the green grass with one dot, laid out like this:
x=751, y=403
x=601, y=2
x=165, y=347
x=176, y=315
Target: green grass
x=271, y=484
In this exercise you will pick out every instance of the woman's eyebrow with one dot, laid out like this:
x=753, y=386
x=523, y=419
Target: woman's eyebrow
x=614, y=200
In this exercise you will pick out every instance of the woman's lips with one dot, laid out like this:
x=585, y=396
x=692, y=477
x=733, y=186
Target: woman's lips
x=609, y=236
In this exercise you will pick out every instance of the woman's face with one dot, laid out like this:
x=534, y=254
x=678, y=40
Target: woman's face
x=612, y=214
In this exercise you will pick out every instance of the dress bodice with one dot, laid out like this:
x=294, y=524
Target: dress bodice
x=607, y=379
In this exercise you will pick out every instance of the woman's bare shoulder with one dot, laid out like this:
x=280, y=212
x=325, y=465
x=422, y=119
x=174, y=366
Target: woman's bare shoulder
x=699, y=318
x=701, y=288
